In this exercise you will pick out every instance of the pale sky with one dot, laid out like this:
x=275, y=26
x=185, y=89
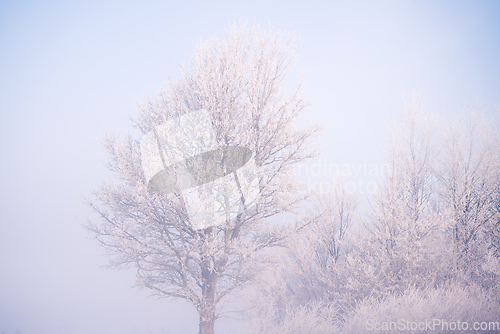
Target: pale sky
x=71, y=71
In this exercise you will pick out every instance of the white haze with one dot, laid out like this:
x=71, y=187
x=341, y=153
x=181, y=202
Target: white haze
x=72, y=71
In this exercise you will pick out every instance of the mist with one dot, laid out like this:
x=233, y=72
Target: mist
x=72, y=72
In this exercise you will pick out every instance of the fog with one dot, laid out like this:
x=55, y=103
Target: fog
x=70, y=72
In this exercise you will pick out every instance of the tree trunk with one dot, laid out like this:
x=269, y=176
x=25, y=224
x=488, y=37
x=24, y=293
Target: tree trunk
x=207, y=310
x=209, y=282
x=207, y=322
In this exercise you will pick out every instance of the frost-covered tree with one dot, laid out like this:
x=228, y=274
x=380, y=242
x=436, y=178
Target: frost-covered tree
x=428, y=247
x=405, y=223
x=308, y=285
x=470, y=187
x=318, y=264
x=239, y=80
x=445, y=304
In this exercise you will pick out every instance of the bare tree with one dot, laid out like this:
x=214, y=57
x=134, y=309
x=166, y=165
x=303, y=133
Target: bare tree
x=318, y=266
x=306, y=285
x=437, y=212
x=316, y=263
x=239, y=80
x=432, y=237
x=405, y=222
x=470, y=186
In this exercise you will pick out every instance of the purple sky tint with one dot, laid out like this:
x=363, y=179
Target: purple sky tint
x=70, y=71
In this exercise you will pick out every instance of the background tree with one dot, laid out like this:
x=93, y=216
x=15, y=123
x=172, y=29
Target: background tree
x=315, y=269
x=405, y=222
x=426, y=250
x=240, y=81
x=470, y=187
x=306, y=291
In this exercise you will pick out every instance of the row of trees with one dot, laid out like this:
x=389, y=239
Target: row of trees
x=433, y=233
x=428, y=248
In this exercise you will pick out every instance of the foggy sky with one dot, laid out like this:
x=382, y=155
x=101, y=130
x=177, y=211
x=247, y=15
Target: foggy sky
x=72, y=71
